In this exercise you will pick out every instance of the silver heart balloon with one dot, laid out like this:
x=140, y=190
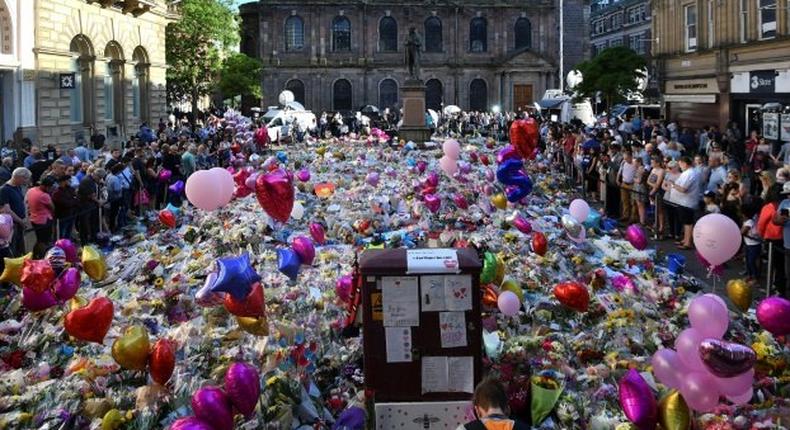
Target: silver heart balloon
x=571, y=226
x=726, y=359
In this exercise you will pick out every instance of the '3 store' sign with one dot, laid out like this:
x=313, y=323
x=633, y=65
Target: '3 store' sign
x=762, y=81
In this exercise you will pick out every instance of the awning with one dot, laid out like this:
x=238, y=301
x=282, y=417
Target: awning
x=551, y=103
x=690, y=98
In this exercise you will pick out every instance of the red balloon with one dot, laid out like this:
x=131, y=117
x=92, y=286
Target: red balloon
x=240, y=178
x=91, y=322
x=162, y=361
x=37, y=275
x=251, y=307
x=235, y=148
x=573, y=295
x=539, y=243
x=275, y=192
x=167, y=218
x=484, y=159
x=524, y=137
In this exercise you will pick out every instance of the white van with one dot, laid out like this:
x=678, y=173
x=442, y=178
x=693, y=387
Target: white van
x=279, y=122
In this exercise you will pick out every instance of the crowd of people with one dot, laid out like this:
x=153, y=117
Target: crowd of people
x=665, y=177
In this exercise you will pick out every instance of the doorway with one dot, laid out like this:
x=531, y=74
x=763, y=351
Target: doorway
x=754, y=118
x=522, y=97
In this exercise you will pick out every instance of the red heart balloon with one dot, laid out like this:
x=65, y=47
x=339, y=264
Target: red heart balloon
x=524, y=137
x=235, y=148
x=539, y=243
x=240, y=178
x=484, y=159
x=573, y=295
x=37, y=275
x=162, y=361
x=252, y=306
x=91, y=322
x=275, y=192
x=167, y=218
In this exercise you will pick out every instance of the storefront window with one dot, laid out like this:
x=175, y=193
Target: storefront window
x=690, y=13
x=767, y=19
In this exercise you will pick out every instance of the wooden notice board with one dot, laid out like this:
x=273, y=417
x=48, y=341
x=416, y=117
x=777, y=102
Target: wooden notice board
x=394, y=371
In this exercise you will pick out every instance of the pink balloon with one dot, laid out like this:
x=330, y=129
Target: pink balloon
x=638, y=401
x=735, y=385
x=343, y=287
x=250, y=181
x=717, y=238
x=69, y=248
x=773, y=314
x=67, y=284
x=303, y=175
x=636, y=236
x=460, y=201
x=35, y=301
x=488, y=189
x=317, y=233
x=579, y=210
x=421, y=166
x=224, y=181
x=449, y=166
x=490, y=175
x=432, y=180
x=508, y=303
x=668, y=368
x=203, y=191
x=521, y=224
x=243, y=387
x=6, y=227
x=433, y=202
x=742, y=398
x=303, y=247
x=190, y=423
x=687, y=346
x=699, y=391
x=709, y=317
x=452, y=149
x=212, y=406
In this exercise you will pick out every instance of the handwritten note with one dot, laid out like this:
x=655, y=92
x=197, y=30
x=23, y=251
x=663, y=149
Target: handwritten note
x=447, y=375
x=434, y=375
x=458, y=292
x=401, y=301
x=399, y=344
x=432, y=293
x=452, y=327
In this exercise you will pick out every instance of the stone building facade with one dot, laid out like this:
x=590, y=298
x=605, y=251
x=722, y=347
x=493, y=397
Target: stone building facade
x=340, y=56
x=17, y=89
x=99, y=67
x=722, y=61
x=621, y=23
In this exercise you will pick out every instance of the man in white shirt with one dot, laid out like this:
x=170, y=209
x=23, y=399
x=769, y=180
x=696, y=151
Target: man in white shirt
x=685, y=192
x=625, y=180
x=718, y=174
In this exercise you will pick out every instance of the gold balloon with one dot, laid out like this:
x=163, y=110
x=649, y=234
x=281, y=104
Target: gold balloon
x=256, y=326
x=77, y=302
x=512, y=286
x=112, y=420
x=13, y=269
x=500, y=270
x=131, y=349
x=499, y=201
x=740, y=293
x=93, y=263
x=321, y=150
x=673, y=412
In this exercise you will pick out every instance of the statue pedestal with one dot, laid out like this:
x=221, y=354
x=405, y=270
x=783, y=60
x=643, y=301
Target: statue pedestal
x=413, y=97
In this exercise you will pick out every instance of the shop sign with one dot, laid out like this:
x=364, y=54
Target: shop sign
x=692, y=86
x=762, y=82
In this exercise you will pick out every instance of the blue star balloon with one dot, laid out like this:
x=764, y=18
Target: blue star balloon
x=282, y=156
x=175, y=209
x=235, y=276
x=288, y=263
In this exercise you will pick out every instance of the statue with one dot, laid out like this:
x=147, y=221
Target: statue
x=413, y=48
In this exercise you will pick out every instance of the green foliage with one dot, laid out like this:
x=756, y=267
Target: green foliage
x=613, y=72
x=241, y=76
x=196, y=44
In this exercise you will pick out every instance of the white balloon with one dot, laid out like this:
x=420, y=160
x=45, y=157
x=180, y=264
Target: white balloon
x=297, y=212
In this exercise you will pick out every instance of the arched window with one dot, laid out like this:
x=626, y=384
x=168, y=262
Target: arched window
x=478, y=96
x=294, y=33
x=523, y=31
x=478, y=35
x=297, y=87
x=433, y=34
x=341, y=95
x=434, y=94
x=140, y=84
x=388, y=94
x=388, y=34
x=113, y=83
x=341, y=34
x=81, y=96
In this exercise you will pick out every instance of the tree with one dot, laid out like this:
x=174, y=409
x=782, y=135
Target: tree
x=613, y=72
x=241, y=76
x=196, y=44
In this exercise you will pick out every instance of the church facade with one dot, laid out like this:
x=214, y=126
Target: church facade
x=340, y=56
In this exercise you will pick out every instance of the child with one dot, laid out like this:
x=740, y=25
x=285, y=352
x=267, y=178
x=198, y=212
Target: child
x=752, y=240
x=711, y=205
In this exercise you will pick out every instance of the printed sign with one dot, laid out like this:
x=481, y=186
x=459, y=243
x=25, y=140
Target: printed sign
x=762, y=81
x=431, y=261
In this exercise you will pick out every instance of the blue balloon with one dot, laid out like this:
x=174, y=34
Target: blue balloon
x=510, y=173
x=235, y=276
x=288, y=263
x=593, y=220
x=282, y=156
x=175, y=209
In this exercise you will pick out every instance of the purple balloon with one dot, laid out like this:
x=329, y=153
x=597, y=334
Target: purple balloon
x=433, y=179
x=699, y=391
x=35, y=301
x=687, y=346
x=709, y=317
x=303, y=175
x=735, y=385
x=303, y=247
x=637, y=401
x=464, y=167
x=433, y=202
x=635, y=236
x=667, y=367
x=177, y=188
x=726, y=359
x=165, y=175
x=318, y=233
x=742, y=398
x=250, y=182
x=6, y=227
x=507, y=153
x=212, y=406
x=243, y=387
x=67, y=284
x=460, y=201
x=773, y=314
x=343, y=287
x=521, y=224
x=69, y=248
x=421, y=166
x=190, y=423
x=490, y=175
x=372, y=179
x=508, y=303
